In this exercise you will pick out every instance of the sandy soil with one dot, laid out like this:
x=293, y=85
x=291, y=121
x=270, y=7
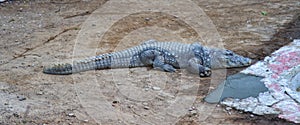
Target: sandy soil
x=38, y=33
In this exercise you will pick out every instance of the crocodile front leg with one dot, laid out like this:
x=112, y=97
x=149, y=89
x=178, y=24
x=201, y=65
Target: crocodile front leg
x=195, y=66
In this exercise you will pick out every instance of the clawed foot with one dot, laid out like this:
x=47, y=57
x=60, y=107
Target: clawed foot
x=205, y=73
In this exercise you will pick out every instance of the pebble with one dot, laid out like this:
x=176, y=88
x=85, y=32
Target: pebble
x=228, y=108
x=298, y=89
x=155, y=88
x=145, y=103
x=20, y=10
x=16, y=115
x=22, y=98
x=194, y=112
x=146, y=107
x=192, y=108
x=40, y=93
x=115, y=102
x=147, y=19
x=71, y=115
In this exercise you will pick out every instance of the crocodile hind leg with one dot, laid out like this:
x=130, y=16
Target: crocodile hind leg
x=195, y=66
x=157, y=59
x=161, y=65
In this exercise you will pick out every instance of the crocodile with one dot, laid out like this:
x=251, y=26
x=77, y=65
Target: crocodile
x=165, y=56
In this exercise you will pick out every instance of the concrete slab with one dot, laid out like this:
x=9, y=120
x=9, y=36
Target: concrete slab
x=280, y=73
x=243, y=84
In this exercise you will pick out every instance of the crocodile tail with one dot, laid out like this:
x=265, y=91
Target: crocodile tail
x=59, y=69
x=96, y=62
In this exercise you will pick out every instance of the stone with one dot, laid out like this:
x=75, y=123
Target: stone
x=155, y=88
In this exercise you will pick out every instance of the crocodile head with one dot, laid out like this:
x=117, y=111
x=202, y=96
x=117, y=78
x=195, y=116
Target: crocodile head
x=228, y=59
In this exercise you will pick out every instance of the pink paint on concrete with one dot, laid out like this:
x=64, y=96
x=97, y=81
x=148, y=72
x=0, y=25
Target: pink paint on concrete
x=274, y=86
x=285, y=61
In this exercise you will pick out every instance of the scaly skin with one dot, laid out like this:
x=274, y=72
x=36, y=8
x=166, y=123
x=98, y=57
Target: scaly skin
x=167, y=56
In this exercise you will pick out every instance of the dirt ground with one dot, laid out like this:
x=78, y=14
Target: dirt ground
x=37, y=33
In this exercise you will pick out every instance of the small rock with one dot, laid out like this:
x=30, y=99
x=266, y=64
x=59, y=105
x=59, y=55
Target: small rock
x=16, y=115
x=71, y=115
x=228, y=108
x=147, y=19
x=86, y=120
x=40, y=93
x=194, y=112
x=194, y=108
x=115, y=102
x=20, y=10
x=298, y=89
x=145, y=103
x=252, y=115
x=22, y=98
x=155, y=88
x=146, y=107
